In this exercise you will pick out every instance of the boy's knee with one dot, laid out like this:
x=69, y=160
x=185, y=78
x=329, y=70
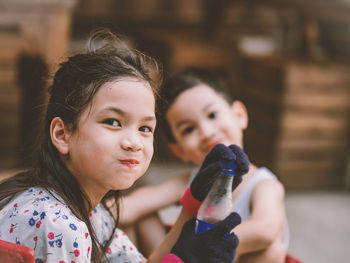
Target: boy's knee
x=275, y=253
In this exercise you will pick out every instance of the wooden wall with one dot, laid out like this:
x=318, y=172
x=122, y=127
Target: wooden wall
x=299, y=119
x=297, y=93
x=34, y=38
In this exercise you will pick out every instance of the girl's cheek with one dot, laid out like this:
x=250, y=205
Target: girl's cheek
x=150, y=145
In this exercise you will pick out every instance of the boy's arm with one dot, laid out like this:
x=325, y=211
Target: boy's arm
x=267, y=218
x=170, y=239
x=149, y=199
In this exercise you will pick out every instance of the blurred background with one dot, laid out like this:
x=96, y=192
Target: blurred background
x=287, y=60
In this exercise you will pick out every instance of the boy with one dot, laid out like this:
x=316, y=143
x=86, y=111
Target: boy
x=197, y=113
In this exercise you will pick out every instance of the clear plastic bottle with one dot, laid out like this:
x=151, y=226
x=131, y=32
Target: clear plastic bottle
x=218, y=203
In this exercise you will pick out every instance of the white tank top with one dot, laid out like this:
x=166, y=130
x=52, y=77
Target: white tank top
x=242, y=203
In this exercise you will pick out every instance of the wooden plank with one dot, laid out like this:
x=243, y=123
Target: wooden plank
x=7, y=162
x=336, y=99
x=306, y=133
x=320, y=10
x=316, y=74
x=7, y=76
x=259, y=94
x=263, y=74
x=304, y=125
x=9, y=100
x=311, y=180
x=188, y=52
x=263, y=124
x=8, y=150
x=314, y=88
x=10, y=46
x=309, y=164
x=311, y=144
x=302, y=119
x=335, y=154
x=259, y=147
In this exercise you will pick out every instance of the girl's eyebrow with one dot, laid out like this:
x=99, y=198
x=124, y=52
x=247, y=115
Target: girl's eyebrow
x=124, y=113
x=113, y=109
x=149, y=118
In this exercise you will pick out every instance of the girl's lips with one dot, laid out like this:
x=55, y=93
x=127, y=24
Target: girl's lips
x=129, y=162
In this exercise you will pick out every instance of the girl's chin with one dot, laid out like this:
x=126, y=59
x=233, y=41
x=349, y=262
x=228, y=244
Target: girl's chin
x=124, y=186
x=125, y=183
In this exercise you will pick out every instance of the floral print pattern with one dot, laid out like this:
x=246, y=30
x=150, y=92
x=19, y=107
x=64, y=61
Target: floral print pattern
x=39, y=219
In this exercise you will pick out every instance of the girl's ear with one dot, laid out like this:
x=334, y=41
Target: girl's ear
x=240, y=112
x=59, y=135
x=176, y=149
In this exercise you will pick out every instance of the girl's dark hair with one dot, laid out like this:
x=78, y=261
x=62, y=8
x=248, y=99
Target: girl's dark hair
x=182, y=81
x=108, y=58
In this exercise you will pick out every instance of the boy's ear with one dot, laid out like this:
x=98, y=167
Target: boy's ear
x=59, y=135
x=176, y=149
x=240, y=111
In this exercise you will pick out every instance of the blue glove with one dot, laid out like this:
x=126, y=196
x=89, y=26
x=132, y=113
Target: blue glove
x=207, y=174
x=211, y=246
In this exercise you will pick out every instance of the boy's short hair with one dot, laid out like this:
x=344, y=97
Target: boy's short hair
x=182, y=81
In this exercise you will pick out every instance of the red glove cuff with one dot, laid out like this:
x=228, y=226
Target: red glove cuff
x=171, y=258
x=189, y=203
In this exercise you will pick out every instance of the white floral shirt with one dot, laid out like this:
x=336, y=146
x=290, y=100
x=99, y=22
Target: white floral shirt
x=40, y=220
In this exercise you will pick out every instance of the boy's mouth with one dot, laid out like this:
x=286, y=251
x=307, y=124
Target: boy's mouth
x=211, y=145
x=130, y=162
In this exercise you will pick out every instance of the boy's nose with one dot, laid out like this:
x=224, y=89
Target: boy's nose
x=207, y=131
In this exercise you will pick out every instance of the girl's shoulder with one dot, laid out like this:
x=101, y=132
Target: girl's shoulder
x=40, y=202
x=38, y=205
x=35, y=199
x=39, y=219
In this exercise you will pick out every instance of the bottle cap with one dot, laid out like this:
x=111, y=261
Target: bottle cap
x=229, y=167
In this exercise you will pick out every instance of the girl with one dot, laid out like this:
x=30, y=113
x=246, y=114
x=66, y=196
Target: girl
x=98, y=140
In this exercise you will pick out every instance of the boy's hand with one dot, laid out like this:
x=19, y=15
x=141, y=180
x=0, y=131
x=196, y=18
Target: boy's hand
x=208, y=173
x=210, y=246
x=242, y=163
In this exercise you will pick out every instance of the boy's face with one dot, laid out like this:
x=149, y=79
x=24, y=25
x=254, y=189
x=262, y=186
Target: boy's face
x=200, y=118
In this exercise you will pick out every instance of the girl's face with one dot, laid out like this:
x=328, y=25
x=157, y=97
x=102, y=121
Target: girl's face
x=200, y=118
x=113, y=144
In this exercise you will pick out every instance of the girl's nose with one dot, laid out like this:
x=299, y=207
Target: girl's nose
x=131, y=143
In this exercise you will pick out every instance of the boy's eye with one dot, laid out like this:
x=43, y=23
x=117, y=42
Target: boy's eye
x=145, y=129
x=212, y=115
x=187, y=130
x=112, y=122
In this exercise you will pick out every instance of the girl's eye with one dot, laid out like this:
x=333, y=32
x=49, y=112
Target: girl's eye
x=213, y=115
x=145, y=129
x=112, y=122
